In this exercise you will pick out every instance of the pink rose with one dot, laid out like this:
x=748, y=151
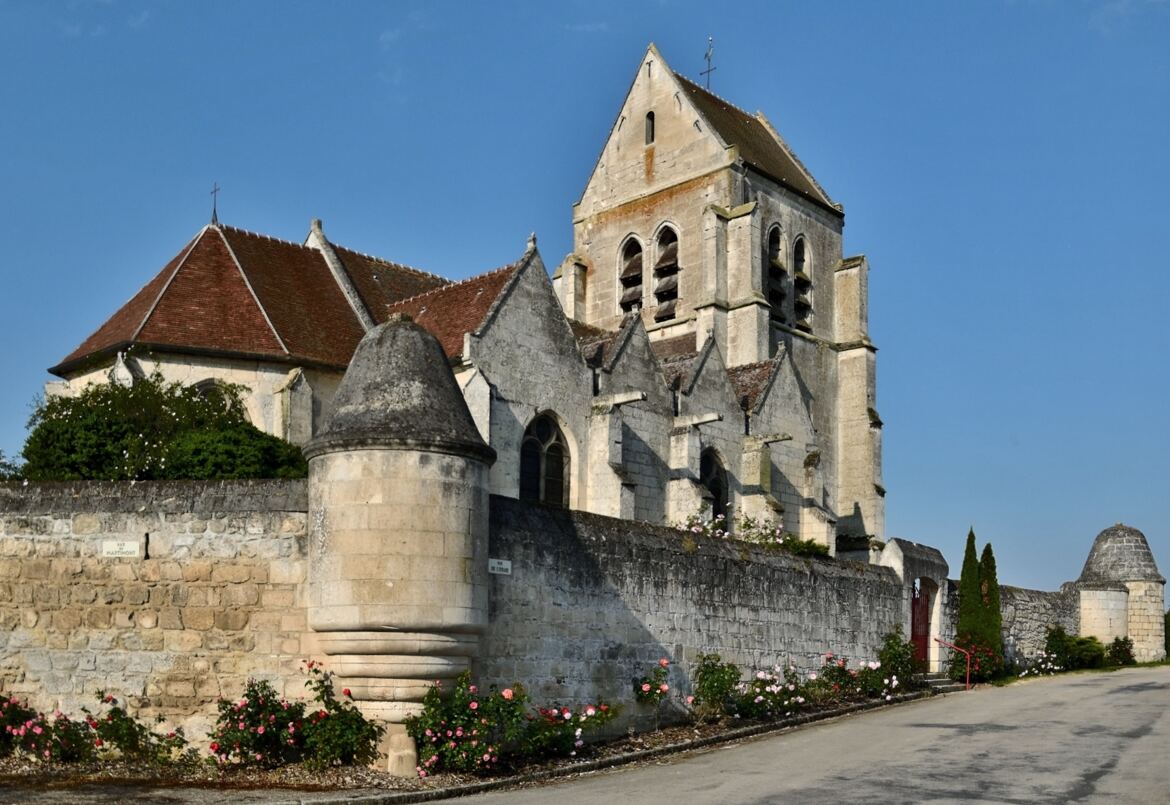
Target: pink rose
x=507, y=693
x=474, y=705
x=664, y=662
x=663, y=687
x=645, y=687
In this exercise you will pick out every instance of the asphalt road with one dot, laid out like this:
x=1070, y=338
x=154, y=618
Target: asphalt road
x=1090, y=738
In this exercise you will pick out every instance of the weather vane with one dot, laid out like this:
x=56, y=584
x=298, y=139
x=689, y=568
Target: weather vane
x=709, y=55
x=215, y=188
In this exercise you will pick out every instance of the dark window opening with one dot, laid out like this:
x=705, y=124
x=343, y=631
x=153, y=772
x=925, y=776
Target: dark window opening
x=777, y=277
x=714, y=479
x=544, y=463
x=666, y=276
x=631, y=277
x=649, y=128
x=802, y=281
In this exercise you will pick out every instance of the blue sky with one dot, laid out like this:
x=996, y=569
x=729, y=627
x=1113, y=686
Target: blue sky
x=1002, y=164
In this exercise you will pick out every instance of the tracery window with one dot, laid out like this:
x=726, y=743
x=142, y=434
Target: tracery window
x=544, y=463
x=777, y=276
x=714, y=479
x=630, y=276
x=666, y=275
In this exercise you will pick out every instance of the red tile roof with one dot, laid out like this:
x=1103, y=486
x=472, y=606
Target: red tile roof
x=234, y=292
x=451, y=311
x=750, y=381
x=380, y=283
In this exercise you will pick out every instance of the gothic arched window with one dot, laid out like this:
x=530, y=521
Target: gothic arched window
x=630, y=276
x=666, y=275
x=777, y=276
x=544, y=463
x=714, y=479
x=802, y=279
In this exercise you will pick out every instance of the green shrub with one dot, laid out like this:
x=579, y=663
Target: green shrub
x=239, y=450
x=261, y=729
x=138, y=432
x=337, y=734
x=897, y=657
x=14, y=715
x=1086, y=652
x=466, y=730
x=1120, y=652
x=1073, y=653
x=714, y=686
x=652, y=688
x=117, y=732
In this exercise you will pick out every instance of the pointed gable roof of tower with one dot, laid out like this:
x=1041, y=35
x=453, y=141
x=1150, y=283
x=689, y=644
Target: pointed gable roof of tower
x=759, y=144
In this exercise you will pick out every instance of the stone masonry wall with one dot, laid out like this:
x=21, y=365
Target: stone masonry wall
x=218, y=600
x=1027, y=614
x=593, y=601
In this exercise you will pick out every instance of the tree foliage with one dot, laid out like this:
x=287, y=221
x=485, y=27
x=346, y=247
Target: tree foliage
x=152, y=430
x=980, y=622
x=8, y=469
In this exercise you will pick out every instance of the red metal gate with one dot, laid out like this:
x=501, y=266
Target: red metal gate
x=920, y=622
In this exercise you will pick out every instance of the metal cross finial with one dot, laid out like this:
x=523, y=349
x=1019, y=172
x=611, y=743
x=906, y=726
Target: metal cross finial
x=215, y=188
x=709, y=55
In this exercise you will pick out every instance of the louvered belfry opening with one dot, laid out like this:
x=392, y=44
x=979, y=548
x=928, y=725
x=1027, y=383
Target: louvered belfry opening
x=777, y=277
x=802, y=280
x=666, y=276
x=631, y=277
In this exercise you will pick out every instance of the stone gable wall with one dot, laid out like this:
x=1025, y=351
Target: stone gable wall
x=219, y=600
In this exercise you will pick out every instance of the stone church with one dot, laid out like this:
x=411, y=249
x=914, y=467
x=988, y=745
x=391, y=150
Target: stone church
x=704, y=347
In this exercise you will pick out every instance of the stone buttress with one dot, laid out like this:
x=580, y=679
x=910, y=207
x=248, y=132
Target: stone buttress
x=398, y=524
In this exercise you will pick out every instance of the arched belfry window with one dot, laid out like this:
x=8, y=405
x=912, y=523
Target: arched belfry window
x=630, y=276
x=544, y=463
x=666, y=275
x=802, y=281
x=649, y=128
x=714, y=479
x=777, y=276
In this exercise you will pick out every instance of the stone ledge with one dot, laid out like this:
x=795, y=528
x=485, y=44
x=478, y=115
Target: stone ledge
x=156, y=497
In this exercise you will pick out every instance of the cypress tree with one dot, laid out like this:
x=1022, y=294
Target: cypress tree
x=970, y=600
x=989, y=598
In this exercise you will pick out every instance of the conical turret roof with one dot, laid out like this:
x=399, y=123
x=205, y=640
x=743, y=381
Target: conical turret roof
x=1120, y=553
x=399, y=393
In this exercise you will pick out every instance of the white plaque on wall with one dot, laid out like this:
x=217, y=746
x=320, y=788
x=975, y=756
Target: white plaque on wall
x=501, y=567
x=116, y=548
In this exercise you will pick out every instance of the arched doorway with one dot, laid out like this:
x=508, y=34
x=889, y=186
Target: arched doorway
x=923, y=593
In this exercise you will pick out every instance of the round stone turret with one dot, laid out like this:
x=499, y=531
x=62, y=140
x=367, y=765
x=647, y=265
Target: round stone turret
x=398, y=528
x=1120, y=554
x=1122, y=594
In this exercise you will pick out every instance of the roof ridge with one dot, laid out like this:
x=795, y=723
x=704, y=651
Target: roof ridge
x=716, y=96
x=242, y=231
x=394, y=263
x=450, y=285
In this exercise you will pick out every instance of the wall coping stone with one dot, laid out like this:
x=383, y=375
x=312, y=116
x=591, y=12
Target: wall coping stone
x=165, y=497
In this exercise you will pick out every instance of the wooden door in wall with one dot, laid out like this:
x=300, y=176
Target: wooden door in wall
x=920, y=622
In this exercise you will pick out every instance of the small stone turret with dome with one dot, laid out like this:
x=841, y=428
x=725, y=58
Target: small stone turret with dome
x=1122, y=593
x=398, y=508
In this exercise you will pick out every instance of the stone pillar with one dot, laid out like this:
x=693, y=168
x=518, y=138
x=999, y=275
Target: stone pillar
x=398, y=520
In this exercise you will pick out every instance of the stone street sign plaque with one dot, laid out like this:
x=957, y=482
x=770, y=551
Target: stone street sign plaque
x=118, y=548
x=501, y=567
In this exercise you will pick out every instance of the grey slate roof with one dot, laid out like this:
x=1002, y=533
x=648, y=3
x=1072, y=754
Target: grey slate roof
x=399, y=392
x=1120, y=553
